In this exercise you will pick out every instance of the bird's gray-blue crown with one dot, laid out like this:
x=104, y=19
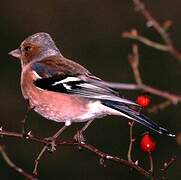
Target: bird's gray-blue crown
x=44, y=41
x=35, y=48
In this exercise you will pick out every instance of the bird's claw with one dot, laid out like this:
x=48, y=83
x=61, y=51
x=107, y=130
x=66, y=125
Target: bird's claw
x=51, y=144
x=79, y=137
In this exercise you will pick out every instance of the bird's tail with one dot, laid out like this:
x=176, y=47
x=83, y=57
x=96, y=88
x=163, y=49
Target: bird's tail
x=136, y=116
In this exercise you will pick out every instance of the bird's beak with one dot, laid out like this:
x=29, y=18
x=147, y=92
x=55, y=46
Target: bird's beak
x=15, y=53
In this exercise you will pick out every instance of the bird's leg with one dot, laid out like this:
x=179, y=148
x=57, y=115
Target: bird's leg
x=79, y=135
x=52, y=145
x=23, y=122
x=59, y=132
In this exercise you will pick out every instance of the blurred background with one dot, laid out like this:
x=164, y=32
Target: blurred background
x=90, y=33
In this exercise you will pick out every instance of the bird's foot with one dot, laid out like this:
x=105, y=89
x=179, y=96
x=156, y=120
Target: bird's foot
x=79, y=137
x=51, y=144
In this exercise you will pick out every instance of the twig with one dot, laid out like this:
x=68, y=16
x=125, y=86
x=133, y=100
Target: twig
x=35, y=170
x=134, y=62
x=116, y=159
x=139, y=6
x=151, y=162
x=152, y=90
x=84, y=145
x=172, y=97
x=151, y=166
x=159, y=106
x=14, y=166
x=166, y=165
x=131, y=140
x=145, y=41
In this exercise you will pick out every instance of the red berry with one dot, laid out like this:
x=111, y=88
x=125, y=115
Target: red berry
x=147, y=143
x=143, y=100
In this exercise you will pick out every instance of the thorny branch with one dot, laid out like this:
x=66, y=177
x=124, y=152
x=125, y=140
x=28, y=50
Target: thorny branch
x=84, y=145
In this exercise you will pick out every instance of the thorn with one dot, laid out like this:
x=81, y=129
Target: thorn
x=29, y=134
x=136, y=162
x=1, y=129
x=165, y=164
x=108, y=157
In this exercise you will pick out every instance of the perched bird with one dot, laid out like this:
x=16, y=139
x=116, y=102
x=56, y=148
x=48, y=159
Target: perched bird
x=61, y=90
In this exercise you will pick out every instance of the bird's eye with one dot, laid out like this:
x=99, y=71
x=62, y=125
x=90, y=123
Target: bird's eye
x=27, y=48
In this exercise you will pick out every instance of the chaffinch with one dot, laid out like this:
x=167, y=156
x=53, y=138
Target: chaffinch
x=64, y=91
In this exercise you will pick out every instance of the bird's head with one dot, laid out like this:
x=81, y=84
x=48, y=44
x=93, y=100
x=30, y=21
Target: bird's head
x=35, y=48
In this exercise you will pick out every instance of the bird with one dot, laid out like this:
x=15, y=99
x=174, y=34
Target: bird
x=61, y=90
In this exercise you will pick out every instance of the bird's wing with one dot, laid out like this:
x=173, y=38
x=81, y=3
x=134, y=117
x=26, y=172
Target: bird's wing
x=52, y=77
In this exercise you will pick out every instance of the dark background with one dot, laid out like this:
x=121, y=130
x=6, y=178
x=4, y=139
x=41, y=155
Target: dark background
x=89, y=31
